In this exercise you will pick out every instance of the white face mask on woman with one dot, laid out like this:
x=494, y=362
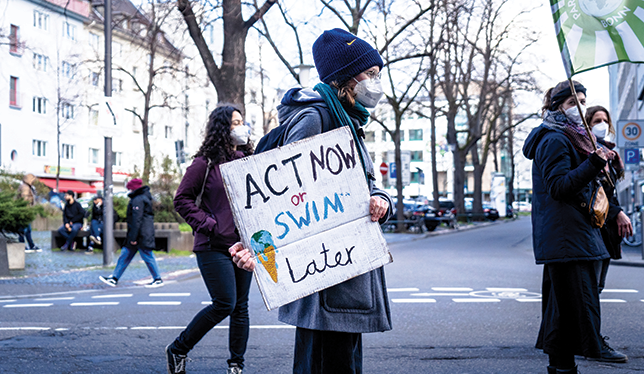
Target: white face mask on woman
x=240, y=135
x=600, y=130
x=368, y=92
x=573, y=114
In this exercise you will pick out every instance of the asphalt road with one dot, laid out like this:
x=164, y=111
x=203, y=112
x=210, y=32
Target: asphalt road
x=465, y=302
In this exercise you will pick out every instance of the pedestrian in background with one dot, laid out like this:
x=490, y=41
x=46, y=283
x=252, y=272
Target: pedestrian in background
x=329, y=324
x=565, y=167
x=27, y=192
x=617, y=225
x=73, y=216
x=201, y=200
x=140, y=235
x=96, y=224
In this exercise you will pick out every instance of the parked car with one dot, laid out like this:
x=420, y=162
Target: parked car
x=522, y=206
x=429, y=217
x=446, y=212
x=489, y=212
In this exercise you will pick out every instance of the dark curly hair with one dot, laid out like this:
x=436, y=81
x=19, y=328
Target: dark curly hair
x=217, y=144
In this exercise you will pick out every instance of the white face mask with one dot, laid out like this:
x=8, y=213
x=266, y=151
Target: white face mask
x=240, y=135
x=368, y=92
x=573, y=114
x=600, y=130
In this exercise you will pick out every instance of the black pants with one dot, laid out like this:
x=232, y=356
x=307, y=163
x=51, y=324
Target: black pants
x=571, y=317
x=228, y=286
x=327, y=352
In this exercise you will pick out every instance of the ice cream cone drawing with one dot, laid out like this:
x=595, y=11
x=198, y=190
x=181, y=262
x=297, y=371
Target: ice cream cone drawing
x=264, y=248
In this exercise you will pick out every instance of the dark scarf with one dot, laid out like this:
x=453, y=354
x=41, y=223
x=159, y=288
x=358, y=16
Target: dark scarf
x=575, y=133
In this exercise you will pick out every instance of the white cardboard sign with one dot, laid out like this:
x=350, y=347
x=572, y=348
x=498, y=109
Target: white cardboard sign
x=303, y=210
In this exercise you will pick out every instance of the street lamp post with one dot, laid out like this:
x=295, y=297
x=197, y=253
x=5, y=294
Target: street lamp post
x=108, y=215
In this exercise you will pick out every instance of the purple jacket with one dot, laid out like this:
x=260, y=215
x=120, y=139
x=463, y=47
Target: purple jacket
x=212, y=223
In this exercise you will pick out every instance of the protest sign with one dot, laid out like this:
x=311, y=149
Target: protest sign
x=303, y=210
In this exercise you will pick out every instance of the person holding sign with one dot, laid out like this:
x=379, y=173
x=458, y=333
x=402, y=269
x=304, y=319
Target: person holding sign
x=618, y=225
x=330, y=323
x=201, y=200
x=564, y=172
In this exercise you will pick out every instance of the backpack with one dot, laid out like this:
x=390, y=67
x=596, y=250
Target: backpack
x=276, y=137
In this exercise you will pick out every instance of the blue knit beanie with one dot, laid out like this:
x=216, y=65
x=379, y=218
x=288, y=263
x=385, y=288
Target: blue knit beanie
x=340, y=56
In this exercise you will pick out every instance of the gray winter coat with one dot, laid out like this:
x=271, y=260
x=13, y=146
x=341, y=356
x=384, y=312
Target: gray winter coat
x=360, y=304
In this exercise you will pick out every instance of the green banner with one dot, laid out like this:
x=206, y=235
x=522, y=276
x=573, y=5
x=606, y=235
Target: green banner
x=594, y=33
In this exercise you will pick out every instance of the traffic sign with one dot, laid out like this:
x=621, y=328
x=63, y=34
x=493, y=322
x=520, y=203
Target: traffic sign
x=629, y=134
x=632, y=156
x=383, y=168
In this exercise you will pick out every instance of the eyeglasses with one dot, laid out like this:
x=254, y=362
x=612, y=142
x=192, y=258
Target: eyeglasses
x=372, y=74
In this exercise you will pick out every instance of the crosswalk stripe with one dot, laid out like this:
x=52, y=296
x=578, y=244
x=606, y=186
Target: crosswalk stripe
x=98, y=303
x=27, y=305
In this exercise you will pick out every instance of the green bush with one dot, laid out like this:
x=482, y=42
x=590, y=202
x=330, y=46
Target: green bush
x=120, y=205
x=15, y=213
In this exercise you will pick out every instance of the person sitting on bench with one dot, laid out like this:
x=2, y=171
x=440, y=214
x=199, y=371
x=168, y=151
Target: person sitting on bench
x=73, y=215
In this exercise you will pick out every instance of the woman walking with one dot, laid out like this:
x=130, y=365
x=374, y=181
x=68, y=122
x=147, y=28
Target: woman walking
x=201, y=200
x=564, y=172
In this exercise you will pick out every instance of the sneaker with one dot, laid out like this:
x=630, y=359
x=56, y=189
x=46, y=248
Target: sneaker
x=155, y=283
x=36, y=249
x=63, y=248
x=608, y=354
x=176, y=363
x=234, y=369
x=93, y=239
x=98, y=240
x=29, y=250
x=89, y=251
x=110, y=281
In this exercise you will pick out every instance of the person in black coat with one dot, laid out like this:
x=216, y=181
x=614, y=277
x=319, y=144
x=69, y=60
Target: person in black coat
x=73, y=216
x=564, y=172
x=140, y=235
x=618, y=225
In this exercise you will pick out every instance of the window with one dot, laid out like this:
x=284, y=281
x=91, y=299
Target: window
x=93, y=117
x=415, y=177
x=117, y=85
x=41, y=20
x=39, y=105
x=384, y=135
x=13, y=92
x=116, y=49
x=168, y=132
x=134, y=71
x=116, y=158
x=150, y=129
x=370, y=136
x=69, y=31
x=417, y=156
x=68, y=69
x=14, y=41
x=94, y=41
x=93, y=156
x=402, y=135
x=39, y=148
x=67, y=111
x=416, y=134
x=40, y=62
x=94, y=77
x=67, y=151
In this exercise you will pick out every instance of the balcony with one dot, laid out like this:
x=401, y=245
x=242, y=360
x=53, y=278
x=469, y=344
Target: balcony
x=17, y=48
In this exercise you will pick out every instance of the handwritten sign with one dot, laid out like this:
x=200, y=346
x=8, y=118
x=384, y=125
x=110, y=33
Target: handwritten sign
x=303, y=209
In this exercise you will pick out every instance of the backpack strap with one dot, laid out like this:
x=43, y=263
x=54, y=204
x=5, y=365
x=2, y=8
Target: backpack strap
x=203, y=186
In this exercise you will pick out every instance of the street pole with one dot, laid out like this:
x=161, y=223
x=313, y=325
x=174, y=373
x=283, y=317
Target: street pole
x=108, y=206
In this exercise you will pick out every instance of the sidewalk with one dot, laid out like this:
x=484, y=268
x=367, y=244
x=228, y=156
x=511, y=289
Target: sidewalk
x=76, y=271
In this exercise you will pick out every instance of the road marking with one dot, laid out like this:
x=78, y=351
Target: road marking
x=185, y=294
x=609, y=290
x=477, y=300
x=112, y=296
x=409, y=289
x=143, y=328
x=24, y=328
x=612, y=301
x=98, y=303
x=413, y=300
x=206, y=302
x=527, y=300
x=172, y=327
x=27, y=305
x=221, y=327
x=272, y=327
x=492, y=289
x=55, y=298
x=427, y=294
x=8, y=301
x=452, y=289
x=61, y=329
x=159, y=303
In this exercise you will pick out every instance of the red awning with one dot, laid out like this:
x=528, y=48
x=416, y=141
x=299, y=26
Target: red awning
x=66, y=184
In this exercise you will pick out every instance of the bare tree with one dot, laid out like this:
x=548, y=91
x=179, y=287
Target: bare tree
x=229, y=78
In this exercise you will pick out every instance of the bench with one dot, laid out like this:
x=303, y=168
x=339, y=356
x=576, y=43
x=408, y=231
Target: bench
x=166, y=236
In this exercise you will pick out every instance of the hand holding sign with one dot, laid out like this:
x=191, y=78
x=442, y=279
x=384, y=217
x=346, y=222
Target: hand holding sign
x=242, y=257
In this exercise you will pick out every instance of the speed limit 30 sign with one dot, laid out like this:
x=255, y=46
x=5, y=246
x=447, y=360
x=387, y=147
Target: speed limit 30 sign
x=629, y=134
